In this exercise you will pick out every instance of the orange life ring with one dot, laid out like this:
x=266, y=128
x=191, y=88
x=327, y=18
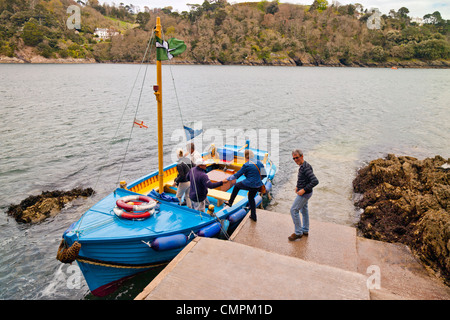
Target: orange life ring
x=131, y=215
x=123, y=203
x=134, y=207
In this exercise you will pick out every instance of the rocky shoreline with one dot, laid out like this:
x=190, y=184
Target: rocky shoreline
x=407, y=200
x=35, y=209
x=306, y=61
x=42, y=60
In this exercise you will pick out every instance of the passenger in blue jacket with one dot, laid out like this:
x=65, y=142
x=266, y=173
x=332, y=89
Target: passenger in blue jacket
x=200, y=183
x=306, y=181
x=253, y=171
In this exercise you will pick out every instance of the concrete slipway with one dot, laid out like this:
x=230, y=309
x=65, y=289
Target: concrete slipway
x=259, y=262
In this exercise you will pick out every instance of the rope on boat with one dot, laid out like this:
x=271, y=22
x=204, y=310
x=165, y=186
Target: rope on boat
x=152, y=39
x=118, y=265
x=68, y=254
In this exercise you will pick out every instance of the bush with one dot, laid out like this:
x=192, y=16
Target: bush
x=432, y=49
x=378, y=54
x=45, y=50
x=32, y=33
x=76, y=51
x=403, y=51
x=6, y=49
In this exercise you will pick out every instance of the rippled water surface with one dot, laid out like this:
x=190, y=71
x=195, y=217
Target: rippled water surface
x=65, y=126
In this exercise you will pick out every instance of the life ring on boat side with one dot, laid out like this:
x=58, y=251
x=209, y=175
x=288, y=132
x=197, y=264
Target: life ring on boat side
x=123, y=203
x=132, y=215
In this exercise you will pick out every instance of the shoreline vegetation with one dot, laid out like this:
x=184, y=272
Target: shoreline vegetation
x=36, y=59
x=219, y=33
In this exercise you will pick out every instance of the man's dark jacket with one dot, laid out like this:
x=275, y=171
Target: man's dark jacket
x=306, y=178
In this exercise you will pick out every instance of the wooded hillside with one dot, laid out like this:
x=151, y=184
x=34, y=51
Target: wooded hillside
x=217, y=32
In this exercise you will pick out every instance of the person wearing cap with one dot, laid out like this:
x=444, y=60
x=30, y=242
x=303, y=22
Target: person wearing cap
x=253, y=171
x=306, y=181
x=183, y=167
x=200, y=183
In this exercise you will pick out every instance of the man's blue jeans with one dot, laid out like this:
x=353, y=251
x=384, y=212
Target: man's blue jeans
x=301, y=205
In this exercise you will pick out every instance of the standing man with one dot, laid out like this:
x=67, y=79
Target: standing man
x=254, y=171
x=306, y=181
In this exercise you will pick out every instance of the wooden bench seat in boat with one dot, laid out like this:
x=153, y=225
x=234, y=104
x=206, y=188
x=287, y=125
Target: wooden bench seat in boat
x=222, y=196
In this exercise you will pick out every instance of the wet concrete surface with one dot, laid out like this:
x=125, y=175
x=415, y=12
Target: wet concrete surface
x=391, y=270
x=326, y=243
x=221, y=270
x=259, y=262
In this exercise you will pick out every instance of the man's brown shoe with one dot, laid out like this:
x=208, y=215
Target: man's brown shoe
x=294, y=237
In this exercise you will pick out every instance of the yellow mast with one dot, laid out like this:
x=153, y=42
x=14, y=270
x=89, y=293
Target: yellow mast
x=158, y=94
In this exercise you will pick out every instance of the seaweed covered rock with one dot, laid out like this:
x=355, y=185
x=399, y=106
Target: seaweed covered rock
x=34, y=209
x=408, y=200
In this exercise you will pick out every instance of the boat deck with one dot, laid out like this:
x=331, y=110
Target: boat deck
x=260, y=263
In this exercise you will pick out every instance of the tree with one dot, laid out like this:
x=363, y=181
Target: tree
x=272, y=7
x=378, y=54
x=319, y=5
x=32, y=34
x=433, y=49
x=219, y=17
x=142, y=19
x=433, y=18
x=403, y=12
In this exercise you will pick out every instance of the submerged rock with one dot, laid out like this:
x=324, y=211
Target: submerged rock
x=36, y=208
x=408, y=200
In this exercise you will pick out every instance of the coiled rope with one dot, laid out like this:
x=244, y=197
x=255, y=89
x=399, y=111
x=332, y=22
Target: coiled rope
x=70, y=254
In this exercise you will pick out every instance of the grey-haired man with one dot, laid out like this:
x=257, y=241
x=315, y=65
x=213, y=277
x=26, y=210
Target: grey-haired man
x=306, y=181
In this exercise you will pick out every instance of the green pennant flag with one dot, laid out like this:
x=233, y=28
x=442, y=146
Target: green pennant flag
x=166, y=50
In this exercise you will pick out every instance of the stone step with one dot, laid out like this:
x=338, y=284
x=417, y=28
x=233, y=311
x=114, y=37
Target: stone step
x=390, y=268
x=212, y=269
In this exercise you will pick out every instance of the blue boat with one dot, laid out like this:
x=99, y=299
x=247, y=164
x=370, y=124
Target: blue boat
x=136, y=227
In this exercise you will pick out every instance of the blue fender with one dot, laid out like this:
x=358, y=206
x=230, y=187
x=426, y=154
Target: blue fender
x=258, y=200
x=210, y=230
x=170, y=242
x=238, y=215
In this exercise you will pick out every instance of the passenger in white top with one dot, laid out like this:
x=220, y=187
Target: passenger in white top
x=192, y=154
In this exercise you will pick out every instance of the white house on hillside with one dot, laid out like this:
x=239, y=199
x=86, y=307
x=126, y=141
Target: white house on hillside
x=417, y=20
x=103, y=33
